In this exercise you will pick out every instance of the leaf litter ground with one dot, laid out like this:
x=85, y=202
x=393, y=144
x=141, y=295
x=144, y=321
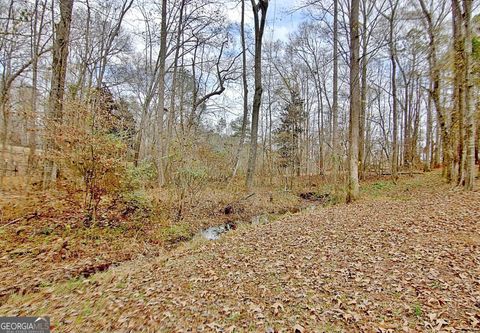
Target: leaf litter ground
x=405, y=259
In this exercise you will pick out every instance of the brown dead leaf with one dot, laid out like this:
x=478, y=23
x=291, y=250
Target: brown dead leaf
x=298, y=328
x=276, y=307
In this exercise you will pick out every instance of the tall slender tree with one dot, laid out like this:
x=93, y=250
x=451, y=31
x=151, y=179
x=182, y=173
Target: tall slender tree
x=245, y=91
x=335, y=149
x=355, y=103
x=161, y=93
x=260, y=18
x=59, y=72
x=393, y=63
x=469, y=104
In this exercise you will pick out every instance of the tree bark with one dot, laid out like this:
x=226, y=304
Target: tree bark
x=355, y=102
x=260, y=15
x=161, y=94
x=335, y=155
x=428, y=134
x=245, y=92
x=469, y=104
x=57, y=90
x=363, y=94
x=391, y=43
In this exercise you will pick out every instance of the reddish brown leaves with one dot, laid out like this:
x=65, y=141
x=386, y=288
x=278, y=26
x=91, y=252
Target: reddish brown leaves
x=403, y=264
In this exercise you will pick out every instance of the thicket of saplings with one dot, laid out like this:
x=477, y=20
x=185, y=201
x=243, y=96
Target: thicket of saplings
x=92, y=150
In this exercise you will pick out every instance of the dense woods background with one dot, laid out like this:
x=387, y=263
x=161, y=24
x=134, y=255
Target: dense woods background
x=105, y=98
x=339, y=138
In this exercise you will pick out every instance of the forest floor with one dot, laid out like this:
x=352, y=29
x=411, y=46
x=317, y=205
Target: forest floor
x=404, y=258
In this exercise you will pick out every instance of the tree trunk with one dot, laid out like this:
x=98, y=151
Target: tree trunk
x=245, y=92
x=363, y=96
x=335, y=155
x=458, y=111
x=161, y=94
x=355, y=103
x=171, y=111
x=394, y=162
x=258, y=8
x=469, y=104
x=59, y=68
x=37, y=28
x=428, y=134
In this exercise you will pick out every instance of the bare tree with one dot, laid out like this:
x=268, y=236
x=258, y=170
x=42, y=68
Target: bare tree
x=335, y=94
x=391, y=18
x=260, y=17
x=355, y=103
x=161, y=93
x=245, y=91
x=37, y=27
x=59, y=71
x=469, y=103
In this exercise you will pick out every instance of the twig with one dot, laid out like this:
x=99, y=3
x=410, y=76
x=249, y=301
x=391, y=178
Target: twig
x=12, y=222
x=248, y=196
x=26, y=217
x=229, y=207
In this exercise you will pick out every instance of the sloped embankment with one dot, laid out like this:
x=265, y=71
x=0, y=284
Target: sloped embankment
x=408, y=262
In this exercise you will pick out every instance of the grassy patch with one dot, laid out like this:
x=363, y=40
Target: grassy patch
x=377, y=188
x=69, y=286
x=417, y=311
x=176, y=233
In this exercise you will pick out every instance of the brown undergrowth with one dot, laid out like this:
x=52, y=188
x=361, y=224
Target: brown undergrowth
x=403, y=258
x=47, y=237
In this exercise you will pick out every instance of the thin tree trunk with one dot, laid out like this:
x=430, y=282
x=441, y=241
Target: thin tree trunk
x=335, y=155
x=59, y=66
x=161, y=94
x=469, y=105
x=394, y=162
x=245, y=93
x=458, y=113
x=363, y=97
x=171, y=111
x=355, y=103
x=428, y=134
x=260, y=7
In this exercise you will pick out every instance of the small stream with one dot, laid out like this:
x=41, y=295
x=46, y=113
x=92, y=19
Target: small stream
x=215, y=232
x=311, y=201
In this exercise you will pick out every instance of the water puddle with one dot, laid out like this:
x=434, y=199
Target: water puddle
x=215, y=232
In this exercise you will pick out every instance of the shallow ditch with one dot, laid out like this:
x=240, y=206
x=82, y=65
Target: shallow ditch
x=310, y=200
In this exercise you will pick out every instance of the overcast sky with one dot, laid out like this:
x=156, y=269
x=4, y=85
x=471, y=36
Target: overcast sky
x=281, y=17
